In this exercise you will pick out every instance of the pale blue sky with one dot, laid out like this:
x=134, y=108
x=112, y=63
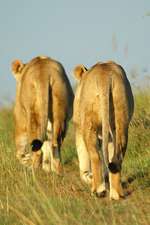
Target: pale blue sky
x=73, y=32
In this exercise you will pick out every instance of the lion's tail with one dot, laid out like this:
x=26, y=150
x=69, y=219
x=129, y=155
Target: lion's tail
x=104, y=98
x=39, y=114
x=105, y=102
x=122, y=118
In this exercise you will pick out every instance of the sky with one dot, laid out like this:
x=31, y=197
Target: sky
x=74, y=32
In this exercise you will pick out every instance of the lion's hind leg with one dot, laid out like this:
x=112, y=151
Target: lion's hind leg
x=21, y=138
x=22, y=154
x=98, y=184
x=46, y=156
x=116, y=190
x=84, y=159
x=56, y=164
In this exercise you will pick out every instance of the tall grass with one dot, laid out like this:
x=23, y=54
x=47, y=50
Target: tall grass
x=35, y=198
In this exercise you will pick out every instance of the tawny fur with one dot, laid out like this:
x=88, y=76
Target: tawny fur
x=103, y=108
x=43, y=94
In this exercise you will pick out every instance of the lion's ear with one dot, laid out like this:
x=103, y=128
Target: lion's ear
x=79, y=70
x=16, y=68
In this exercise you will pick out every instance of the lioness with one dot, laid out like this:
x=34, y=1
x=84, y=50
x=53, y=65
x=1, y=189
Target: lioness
x=103, y=108
x=43, y=106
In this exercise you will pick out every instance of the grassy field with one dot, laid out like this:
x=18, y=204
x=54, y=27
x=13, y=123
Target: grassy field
x=37, y=198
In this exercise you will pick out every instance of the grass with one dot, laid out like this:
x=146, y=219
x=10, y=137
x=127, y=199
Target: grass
x=37, y=198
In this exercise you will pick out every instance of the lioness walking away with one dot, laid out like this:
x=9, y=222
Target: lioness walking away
x=43, y=106
x=103, y=108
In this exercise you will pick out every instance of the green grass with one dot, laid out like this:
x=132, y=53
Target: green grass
x=28, y=197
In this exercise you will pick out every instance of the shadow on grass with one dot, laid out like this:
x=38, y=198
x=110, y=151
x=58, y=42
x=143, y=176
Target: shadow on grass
x=141, y=178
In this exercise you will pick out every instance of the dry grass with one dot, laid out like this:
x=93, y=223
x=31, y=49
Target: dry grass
x=36, y=198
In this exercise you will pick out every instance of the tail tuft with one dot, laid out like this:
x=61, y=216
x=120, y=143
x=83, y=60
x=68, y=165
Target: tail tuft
x=114, y=167
x=36, y=145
